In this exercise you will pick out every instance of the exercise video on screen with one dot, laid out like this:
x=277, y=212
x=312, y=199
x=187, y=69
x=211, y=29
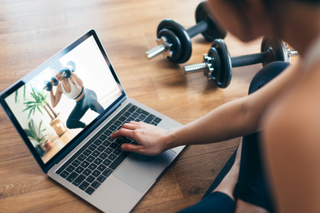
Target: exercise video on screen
x=64, y=99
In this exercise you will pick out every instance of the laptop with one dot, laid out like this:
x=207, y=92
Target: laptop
x=69, y=136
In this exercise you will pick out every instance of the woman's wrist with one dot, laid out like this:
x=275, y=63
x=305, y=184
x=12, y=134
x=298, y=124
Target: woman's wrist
x=171, y=139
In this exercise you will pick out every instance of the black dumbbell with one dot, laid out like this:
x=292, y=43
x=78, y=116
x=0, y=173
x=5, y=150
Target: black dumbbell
x=65, y=72
x=48, y=85
x=174, y=40
x=217, y=64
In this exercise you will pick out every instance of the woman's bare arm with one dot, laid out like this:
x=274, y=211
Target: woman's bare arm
x=55, y=98
x=236, y=118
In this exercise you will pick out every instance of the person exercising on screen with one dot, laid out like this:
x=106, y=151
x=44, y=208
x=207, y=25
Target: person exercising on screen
x=72, y=87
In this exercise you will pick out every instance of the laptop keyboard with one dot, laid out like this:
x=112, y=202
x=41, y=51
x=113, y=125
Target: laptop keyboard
x=98, y=158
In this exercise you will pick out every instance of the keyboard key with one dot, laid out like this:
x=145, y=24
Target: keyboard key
x=157, y=120
x=84, y=185
x=103, y=156
x=92, y=147
x=64, y=174
x=118, y=123
x=92, y=166
x=89, y=190
x=81, y=157
x=108, y=150
x=119, y=159
x=107, y=172
x=111, y=139
x=117, y=151
x=97, y=142
x=132, y=109
x=102, y=137
x=127, y=114
x=106, y=162
x=79, y=179
x=122, y=118
x=149, y=119
x=106, y=143
x=70, y=168
x=96, y=153
x=142, y=117
x=145, y=112
x=101, y=178
x=101, y=168
x=153, y=123
x=71, y=177
x=135, y=115
x=96, y=173
x=101, y=148
x=112, y=157
x=90, y=158
x=119, y=141
x=97, y=161
x=95, y=184
x=90, y=179
x=87, y=152
x=112, y=128
x=107, y=132
x=75, y=163
x=79, y=169
x=85, y=164
x=114, y=145
x=87, y=172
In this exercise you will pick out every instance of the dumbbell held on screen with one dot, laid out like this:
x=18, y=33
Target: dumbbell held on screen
x=65, y=72
x=217, y=64
x=174, y=40
x=48, y=85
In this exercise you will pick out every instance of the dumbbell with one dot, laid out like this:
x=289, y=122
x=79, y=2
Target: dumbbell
x=48, y=85
x=217, y=64
x=174, y=40
x=65, y=72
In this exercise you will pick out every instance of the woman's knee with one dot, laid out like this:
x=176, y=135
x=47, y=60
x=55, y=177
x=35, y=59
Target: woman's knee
x=266, y=74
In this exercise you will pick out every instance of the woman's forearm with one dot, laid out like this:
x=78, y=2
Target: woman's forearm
x=228, y=121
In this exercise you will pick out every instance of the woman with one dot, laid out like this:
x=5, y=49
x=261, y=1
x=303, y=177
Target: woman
x=285, y=110
x=72, y=87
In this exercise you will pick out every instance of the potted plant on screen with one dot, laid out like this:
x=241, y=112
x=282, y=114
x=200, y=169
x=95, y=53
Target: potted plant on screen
x=38, y=101
x=34, y=133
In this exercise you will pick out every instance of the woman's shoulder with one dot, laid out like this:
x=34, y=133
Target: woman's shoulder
x=297, y=114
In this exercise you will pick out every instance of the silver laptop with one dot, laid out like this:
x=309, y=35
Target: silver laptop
x=69, y=136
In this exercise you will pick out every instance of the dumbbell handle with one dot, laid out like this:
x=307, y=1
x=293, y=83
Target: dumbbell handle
x=192, y=31
x=198, y=28
x=256, y=58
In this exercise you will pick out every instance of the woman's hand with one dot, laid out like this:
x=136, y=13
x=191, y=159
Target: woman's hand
x=151, y=140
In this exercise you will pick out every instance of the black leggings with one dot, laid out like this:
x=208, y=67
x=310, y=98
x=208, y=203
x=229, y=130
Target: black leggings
x=89, y=100
x=252, y=185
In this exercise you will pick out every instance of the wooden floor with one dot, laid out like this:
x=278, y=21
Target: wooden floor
x=31, y=31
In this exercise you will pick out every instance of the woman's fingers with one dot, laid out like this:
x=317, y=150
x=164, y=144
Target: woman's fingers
x=127, y=147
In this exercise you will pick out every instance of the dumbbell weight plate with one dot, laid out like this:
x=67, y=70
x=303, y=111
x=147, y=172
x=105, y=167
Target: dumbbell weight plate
x=55, y=81
x=223, y=67
x=277, y=48
x=176, y=45
x=182, y=35
x=214, y=30
x=47, y=86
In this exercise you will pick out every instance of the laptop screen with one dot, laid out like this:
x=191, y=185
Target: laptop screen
x=63, y=97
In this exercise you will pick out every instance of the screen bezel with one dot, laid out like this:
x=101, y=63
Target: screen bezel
x=83, y=134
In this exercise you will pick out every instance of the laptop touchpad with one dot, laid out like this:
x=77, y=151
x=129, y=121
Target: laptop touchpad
x=139, y=171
